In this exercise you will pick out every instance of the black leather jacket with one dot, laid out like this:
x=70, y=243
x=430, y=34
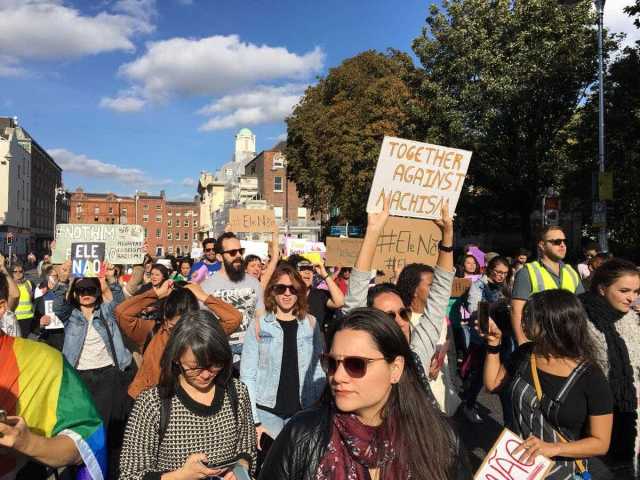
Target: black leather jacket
x=296, y=453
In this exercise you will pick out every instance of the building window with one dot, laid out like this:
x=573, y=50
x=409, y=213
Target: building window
x=186, y=223
x=277, y=184
x=95, y=219
x=169, y=236
x=110, y=210
x=124, y=212
x=96, y=210
x=195, y=236
x=177, y=214
x=169, y=222
x=277, y=212
x=195, y=223
x=302, y=212
x=158, y=233
x=145, y=218
x=186, y=236
x=78, y=217
x=158, y=208
x=158, y=218
x=145, y=233
x=146, y=207
x=185, y=248
x=170, y=248
x=278, y=160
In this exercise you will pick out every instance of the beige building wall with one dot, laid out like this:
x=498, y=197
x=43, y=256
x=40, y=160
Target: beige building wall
x=15, y=182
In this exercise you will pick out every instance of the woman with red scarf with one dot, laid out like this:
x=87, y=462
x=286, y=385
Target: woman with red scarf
x=374, y=421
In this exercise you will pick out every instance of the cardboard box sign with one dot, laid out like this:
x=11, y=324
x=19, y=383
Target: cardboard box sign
x=124, y=244
x=87, y=259
x=420, y=178
x=252, y=220
x=501, y=464
x=460, y=287
x=343, y=251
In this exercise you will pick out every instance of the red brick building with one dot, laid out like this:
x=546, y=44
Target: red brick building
x=270, y=168
x=169, y=226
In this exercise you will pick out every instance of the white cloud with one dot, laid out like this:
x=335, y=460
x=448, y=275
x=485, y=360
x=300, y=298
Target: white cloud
x=49, y=29
x=265, y=104
x=282, y=137
x=9, y=67
x=123, y=103
x=80, y=164
x=617, y=21
x=214, y=65
x=188, y=182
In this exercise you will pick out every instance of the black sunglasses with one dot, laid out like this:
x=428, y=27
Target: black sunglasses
x=280, y=288
x=557, y=241
x=209, y=249
x=356, y=367
x=91, y=291
x=404, y=313
x=235, y=251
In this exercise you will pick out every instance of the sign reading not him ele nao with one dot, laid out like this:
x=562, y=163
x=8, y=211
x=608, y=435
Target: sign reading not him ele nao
x=420, y=178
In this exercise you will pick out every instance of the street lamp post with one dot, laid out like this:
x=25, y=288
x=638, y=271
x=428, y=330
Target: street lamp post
x=599, y=4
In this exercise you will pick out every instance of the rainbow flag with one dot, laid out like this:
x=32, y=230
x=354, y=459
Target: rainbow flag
x=38, y=384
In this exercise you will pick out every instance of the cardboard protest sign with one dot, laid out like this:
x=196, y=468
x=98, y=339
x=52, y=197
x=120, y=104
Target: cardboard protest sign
x=404, y=241
x=124, y=244
x=87, y=259
x=343, y=251
x=460, y=286
x=420, y=178
x=501, y=463
x=252, y=220
x=251, y=247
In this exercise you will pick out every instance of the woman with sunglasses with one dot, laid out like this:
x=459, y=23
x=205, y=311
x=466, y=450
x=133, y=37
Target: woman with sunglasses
x=197, y=418
x=281, y=356
x=93, y=344
x=374, y=421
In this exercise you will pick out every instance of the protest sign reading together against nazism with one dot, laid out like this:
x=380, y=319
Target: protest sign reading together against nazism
x=420, y=178
x=123, y=244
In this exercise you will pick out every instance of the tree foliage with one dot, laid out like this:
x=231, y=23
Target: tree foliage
x=335, y=133
x=504, y=78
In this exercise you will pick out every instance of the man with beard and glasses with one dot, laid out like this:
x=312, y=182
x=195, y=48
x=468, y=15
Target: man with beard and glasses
x=209, y=261
x=232, y=285
x=547, y=273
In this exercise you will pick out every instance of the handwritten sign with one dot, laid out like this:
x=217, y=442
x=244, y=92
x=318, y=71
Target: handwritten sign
x=404, y=241
x=501, y=464
x=55, y=322
x=460, y=286
x=123, y=243
x=251, y=247
x=420, y=178
x=299, y=246
x=252, y=220
x=87, y=259
x=343, y=251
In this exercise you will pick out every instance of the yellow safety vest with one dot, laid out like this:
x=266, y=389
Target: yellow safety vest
x=25, y=307
x=542, y=280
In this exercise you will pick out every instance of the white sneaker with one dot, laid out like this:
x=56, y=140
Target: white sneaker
x=472, y=414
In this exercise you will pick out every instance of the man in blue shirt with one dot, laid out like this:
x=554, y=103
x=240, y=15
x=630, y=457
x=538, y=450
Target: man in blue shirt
x=209, y=260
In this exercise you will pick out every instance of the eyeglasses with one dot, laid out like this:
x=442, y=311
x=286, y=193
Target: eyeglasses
x=502, y=273
x=404, y=313
x=209, y=249
x=194, y=372
x=557, y=241
x=90, y=291
x=356, y=367
x=306, y=268
x=234, y=252
x=280, y=288
x=18, y=271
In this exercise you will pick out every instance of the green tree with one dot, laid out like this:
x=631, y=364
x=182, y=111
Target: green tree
x=503, y=79
x=335, y=133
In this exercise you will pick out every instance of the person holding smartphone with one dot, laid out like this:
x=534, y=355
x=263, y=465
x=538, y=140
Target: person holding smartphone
x=197, y=422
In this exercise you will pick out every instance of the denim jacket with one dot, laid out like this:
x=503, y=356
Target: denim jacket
x=76, y=326
x=262, y=359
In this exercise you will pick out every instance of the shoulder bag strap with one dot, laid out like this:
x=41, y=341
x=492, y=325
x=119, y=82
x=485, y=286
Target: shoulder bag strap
x=577, y=372
x=165, y=413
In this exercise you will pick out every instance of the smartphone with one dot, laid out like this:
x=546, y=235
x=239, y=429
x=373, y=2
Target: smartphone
x=3, y=416
x=483, y=316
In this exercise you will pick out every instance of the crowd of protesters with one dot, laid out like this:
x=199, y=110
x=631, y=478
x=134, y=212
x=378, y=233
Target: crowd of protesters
x=239, y=367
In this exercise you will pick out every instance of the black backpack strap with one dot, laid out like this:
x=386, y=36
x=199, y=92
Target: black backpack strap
x=165, y=413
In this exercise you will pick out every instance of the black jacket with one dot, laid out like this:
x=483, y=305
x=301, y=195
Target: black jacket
x=296, y=453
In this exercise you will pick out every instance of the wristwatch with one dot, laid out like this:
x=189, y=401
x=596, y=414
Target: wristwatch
x=443, y=248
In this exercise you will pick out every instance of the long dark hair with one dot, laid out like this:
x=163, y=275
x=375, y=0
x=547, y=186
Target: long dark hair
x=556, y=322
x=424, y=440
x=201, y=332
x=180, y=301
x=302, y=306
x=409, y=279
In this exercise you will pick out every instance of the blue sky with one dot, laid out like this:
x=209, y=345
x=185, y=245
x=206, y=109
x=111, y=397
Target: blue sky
x=144, y=94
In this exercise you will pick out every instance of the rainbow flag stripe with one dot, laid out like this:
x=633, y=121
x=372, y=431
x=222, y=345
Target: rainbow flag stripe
x=38, y=384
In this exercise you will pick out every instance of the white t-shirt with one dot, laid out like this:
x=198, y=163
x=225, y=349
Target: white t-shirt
x=94, y=352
